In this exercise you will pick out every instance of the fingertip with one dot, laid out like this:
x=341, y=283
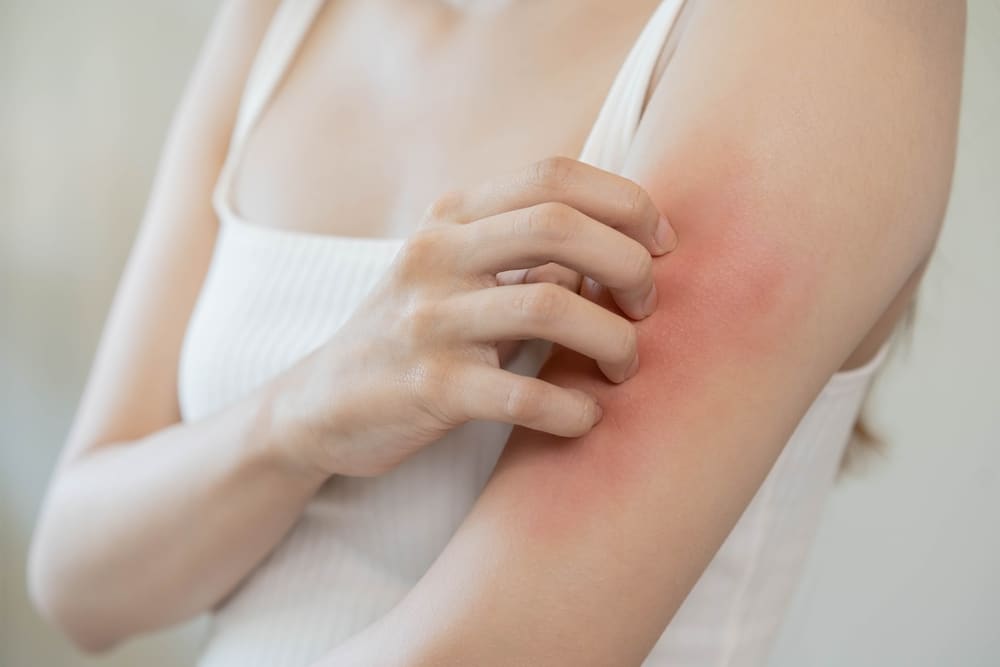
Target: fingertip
x=652, y=299
x=664, y=238
x=615, y=374
x=633, y=368
x=638, y=308
x=512, y=276
x=590, y=289
x=598, y=412
x=591, y=416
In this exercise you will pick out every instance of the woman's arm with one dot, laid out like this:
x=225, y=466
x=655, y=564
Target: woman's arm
x=803, y=151
x=149, y=520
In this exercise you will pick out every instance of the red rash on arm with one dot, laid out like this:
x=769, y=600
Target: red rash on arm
x=591, y=516
x=700, y=333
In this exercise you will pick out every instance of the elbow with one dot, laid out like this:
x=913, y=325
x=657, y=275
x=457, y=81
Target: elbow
x=74, y=613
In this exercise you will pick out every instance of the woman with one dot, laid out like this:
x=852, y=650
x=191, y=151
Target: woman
x=294, y=415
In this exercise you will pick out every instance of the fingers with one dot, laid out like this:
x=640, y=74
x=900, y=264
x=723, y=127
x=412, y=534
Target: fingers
x=549, y=312
x=493, y=394
x=616, y=201
x=547, y=273
x=557, y=233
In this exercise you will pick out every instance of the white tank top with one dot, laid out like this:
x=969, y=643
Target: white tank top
x=271, y=296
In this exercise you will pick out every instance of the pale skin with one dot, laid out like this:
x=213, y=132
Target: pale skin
x=802, y=154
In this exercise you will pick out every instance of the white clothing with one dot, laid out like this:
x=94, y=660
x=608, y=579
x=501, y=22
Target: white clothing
x=271, y=296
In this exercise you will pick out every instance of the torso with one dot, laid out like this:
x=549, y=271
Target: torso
x=389, y=104
x=380, y=113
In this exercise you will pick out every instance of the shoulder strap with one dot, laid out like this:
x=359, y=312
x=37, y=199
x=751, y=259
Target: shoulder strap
x=291, y=21
x=612, y=133
x=289, y=25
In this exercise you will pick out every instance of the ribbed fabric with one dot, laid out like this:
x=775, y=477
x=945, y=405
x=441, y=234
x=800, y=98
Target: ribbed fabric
x=271, y=296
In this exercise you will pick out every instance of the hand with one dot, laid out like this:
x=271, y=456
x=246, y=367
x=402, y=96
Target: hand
x=486, y=266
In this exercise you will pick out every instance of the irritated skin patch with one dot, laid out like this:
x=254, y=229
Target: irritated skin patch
x=712, y=323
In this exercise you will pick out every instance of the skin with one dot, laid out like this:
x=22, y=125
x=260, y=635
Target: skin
x=788, y=258
x=401, y=373
x=792, y=263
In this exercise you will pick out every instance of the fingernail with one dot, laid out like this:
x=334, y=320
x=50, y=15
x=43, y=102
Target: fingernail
x=633, y=367
x=649, y=305
x=598, y=412
x=665, y=237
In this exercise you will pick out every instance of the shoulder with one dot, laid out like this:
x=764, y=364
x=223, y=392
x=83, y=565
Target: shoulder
x=235, y=35
x=774, y=107
x=206, y=114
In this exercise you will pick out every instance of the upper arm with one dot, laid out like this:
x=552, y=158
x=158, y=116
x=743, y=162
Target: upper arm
x=132, y=388
x=803, y=152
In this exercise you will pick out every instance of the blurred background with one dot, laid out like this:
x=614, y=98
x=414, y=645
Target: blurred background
x=906, y=570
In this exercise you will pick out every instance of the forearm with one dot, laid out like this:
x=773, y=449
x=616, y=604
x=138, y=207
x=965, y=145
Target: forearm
x=137, y=535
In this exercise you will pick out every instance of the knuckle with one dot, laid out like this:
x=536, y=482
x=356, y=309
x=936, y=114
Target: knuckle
x=420, y=252
x=635, y=201
x=438, y=393
x=419, y=247
x=429, y=380
x=552, y=173
x=550, y=221
x=445, y=208
x=541, y=302
x=522, y=401
x=639, y=263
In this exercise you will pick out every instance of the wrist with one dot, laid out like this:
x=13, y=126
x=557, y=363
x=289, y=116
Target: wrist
x=275, y=442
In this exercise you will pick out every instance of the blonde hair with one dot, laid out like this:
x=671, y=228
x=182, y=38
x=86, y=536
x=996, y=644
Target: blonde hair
x=866, y=442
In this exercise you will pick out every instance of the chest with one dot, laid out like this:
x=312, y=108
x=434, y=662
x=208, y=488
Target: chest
x=388, y=104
